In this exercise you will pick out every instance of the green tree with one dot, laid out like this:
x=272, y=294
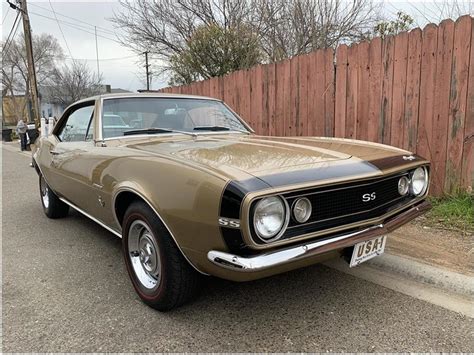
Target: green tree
x=403, y=22
x=215, y=51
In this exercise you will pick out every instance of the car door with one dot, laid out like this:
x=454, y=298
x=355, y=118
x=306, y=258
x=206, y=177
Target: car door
x=72, y=146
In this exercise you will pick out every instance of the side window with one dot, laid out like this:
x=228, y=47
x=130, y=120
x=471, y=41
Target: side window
x=78, y=126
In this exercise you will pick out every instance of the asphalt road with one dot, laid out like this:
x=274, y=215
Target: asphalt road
x=65, y=289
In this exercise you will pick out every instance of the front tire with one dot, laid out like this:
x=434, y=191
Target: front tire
x=159, y=272
x=53, y=207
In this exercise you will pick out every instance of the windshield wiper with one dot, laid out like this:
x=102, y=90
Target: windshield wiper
x=147, y=131
x=211, y=128
x=155, y=130
x=218, y=129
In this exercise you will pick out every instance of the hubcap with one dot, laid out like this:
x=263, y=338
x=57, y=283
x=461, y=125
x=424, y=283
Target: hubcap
x=44, y=192
x=144, y=254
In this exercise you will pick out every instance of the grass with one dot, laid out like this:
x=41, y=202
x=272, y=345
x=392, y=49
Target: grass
x=454, y=212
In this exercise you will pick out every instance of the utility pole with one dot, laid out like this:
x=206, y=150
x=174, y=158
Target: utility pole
x=97, y=52
x=31, y=62
x=147, y=72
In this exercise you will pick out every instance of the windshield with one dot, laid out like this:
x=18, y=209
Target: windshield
x=146, y=114
x=112, y=120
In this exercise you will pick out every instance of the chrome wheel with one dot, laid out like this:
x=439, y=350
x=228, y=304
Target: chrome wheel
x=44, y=192
x=144, y=255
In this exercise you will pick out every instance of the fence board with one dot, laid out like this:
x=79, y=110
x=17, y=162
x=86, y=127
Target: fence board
x=264, y=124
x=467, y=179
x=352, y=95
x=458, y=116
x=205, y=88
x=293, y=122
x=374, y=89
x=412, y=96
x=271, y=96
x=427, y=85
x=237, y=90
x=256, y=98
x=340, y=92
x=329, y=93
x=399, y=89
x=229, y=93
x=252, y=89
x=245, y=96
x=312, y=106
x=282, y=97
x=192, y=89
x=441, y=104
x=215, y=88
x=302, y=126
x=363, y=73
x=319, y=88
x=388, y=48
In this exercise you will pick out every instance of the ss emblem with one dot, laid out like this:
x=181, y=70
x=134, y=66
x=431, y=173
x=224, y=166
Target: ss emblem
x=368, y=197
x=229, y=222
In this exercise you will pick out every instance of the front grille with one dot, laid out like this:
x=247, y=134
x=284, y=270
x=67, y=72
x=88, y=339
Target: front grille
x=335, y=206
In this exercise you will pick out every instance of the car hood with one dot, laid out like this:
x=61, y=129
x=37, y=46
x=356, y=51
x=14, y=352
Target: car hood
x=237, y=156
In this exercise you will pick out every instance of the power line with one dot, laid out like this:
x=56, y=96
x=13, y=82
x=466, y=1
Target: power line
x=13, y=30
x=6, y=14
x=105, y=59
x=75, y=26
x=7, y=48
x=76, y=19
x=60, y=29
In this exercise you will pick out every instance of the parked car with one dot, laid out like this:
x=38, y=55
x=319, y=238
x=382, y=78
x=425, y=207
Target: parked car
x=195, y=192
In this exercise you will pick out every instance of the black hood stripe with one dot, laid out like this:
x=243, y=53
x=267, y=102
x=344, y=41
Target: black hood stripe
x=323, y=172
x=395, y=161
x=235, y=192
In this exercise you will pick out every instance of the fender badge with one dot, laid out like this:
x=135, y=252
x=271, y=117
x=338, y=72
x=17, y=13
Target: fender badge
x=409, y=157
x=229, y=222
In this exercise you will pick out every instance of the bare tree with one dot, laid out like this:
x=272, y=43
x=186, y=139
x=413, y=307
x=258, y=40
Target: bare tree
x=436, y=11
x=47, y=53
x=164, y=26
x=289, y=28
x=283, y=28
x=74, y=82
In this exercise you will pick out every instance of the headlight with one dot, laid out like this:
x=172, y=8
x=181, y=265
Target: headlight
x=270, y=218
x=302, y=210
x=403, y=185
x=419, y=181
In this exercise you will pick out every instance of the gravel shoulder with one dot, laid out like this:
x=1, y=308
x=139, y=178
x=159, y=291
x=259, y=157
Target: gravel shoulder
x=434, y=246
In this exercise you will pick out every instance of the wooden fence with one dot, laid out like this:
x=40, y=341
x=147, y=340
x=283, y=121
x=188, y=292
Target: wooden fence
x=413, y=91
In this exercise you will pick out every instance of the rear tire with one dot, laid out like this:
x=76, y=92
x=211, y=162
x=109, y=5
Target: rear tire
x=160, y=274
x=53, y=207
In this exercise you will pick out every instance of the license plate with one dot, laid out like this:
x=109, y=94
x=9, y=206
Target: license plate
x=367, y=250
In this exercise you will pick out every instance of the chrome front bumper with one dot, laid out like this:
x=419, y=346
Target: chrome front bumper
x=296, y=253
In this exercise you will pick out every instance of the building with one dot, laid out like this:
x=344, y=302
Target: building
x=16, y=107
x=13, y=108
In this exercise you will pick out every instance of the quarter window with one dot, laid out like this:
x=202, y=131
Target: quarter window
x=78, y=126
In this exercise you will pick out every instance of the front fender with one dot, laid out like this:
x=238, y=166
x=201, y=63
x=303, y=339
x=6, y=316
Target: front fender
x=186, y=200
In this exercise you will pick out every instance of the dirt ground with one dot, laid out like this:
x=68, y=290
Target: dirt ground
x=449, y=249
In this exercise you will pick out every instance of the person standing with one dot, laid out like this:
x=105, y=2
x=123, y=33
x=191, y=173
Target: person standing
x=34, y=135
x=21, y=129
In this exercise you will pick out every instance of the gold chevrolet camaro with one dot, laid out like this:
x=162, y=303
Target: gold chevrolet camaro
x=192, y=191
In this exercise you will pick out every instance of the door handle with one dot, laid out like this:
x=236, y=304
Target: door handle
x=55, y=152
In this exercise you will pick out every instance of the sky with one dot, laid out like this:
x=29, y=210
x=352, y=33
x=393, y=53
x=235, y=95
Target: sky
x=120, y=67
